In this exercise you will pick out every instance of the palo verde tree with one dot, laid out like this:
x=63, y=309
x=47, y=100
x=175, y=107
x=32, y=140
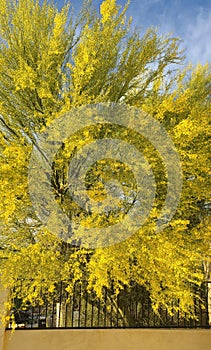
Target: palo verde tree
x=52, y=62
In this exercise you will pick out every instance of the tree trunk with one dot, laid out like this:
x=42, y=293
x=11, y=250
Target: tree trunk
x=207, y=269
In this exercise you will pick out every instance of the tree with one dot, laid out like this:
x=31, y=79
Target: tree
x=47, y=69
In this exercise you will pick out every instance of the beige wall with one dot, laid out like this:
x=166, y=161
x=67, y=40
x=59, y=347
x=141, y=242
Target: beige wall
x=120, y=339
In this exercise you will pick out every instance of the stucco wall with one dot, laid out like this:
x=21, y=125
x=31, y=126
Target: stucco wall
x=120, y=339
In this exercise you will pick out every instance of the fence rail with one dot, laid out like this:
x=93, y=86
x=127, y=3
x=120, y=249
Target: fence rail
x=82, y=309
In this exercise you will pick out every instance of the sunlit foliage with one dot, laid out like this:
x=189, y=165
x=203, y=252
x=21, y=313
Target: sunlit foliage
x=51, y=62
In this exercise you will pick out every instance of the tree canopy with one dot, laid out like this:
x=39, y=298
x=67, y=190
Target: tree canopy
x=52, y=62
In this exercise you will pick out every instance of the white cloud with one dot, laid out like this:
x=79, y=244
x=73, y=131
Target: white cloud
x=197, y=38
x=187, y=20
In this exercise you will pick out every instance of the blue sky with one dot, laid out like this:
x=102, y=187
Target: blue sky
x=188, y=19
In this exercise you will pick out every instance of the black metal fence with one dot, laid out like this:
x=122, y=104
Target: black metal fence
x=82, y=309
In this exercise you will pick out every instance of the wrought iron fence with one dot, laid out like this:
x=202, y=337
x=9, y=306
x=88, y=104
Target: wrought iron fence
x=131, y=309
